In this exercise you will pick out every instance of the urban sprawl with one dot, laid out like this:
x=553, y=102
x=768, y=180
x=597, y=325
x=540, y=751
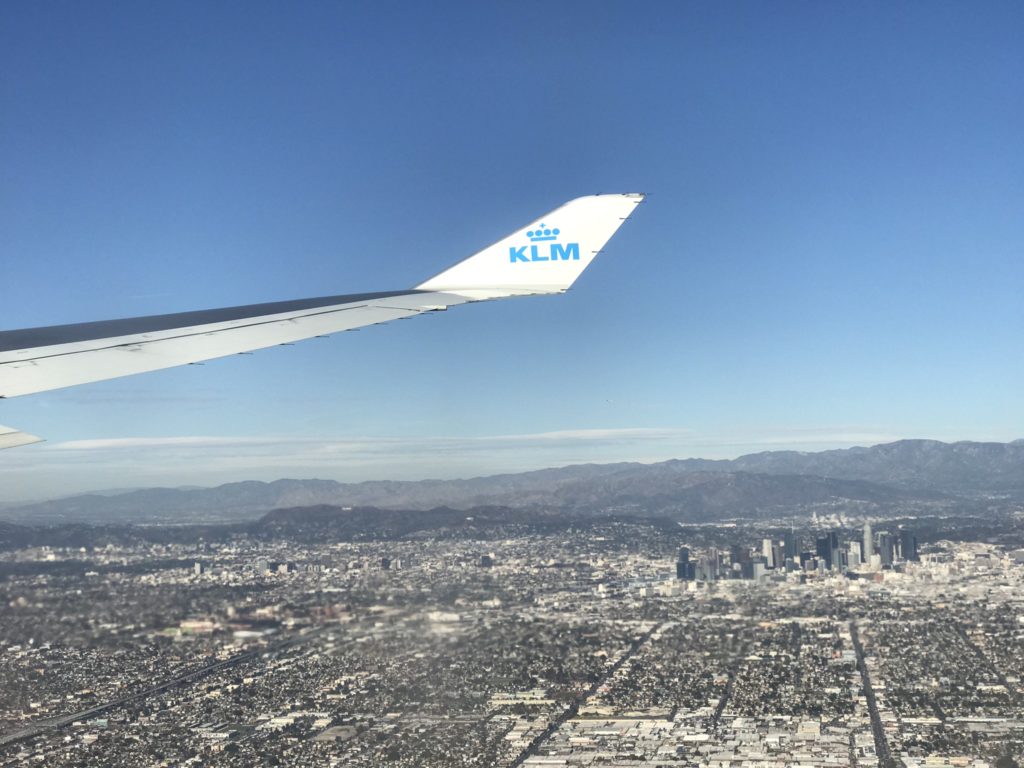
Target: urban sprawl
x=604, y=643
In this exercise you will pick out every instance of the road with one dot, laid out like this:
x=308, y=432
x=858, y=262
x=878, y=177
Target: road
x=885, y=759
x=573, y=709
x=37, y=727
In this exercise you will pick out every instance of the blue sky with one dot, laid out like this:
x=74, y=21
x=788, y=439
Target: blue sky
x=831, y=253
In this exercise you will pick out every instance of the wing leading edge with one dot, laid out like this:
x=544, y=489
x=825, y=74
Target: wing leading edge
x=544, y=257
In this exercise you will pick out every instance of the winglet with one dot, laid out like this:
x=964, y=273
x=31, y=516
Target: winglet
x=11, y=438
x=545, y=256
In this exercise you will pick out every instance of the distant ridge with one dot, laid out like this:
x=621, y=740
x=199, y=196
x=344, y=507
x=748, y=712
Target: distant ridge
x=962, y=468
x=906, y=471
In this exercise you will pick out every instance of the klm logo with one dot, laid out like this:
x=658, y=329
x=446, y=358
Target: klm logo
x=544, y=247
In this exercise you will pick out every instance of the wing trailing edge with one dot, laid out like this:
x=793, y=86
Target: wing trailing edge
x=12, y=438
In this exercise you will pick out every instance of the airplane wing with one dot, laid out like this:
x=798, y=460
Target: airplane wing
x=543, y=257
x=11, y=438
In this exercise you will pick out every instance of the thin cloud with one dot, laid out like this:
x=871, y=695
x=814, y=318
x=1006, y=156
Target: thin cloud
x=638, y=433
x=364, y=443
x=195, y=441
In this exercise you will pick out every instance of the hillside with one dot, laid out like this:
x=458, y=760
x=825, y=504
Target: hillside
x=900, y=473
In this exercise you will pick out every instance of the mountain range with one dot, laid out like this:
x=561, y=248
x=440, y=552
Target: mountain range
x=902, y=475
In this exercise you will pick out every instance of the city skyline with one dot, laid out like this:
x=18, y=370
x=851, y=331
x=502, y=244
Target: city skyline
x=489, y=642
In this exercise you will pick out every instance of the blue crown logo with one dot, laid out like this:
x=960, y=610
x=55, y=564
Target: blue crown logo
x=542, y=233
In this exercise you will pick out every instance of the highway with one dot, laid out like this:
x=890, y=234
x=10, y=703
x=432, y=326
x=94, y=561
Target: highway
x=571, y=711
x=37, y=727
x=885, y=759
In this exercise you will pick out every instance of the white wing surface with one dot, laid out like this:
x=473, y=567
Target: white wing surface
x=543, y=257
x=11, y=438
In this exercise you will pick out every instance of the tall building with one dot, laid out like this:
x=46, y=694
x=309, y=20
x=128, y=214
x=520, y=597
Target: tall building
x=885, y=549
x=735, y=554
x=747, y=568
x=683, y=564
x=714, y=563
x=828, y=551
x=766, y=552
x=791, y=546
x=869, y=543
x=778, y=555
x=853, y=557
x=908, y=545
x=706, y=568
x=823, y=549
x=738, y=554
